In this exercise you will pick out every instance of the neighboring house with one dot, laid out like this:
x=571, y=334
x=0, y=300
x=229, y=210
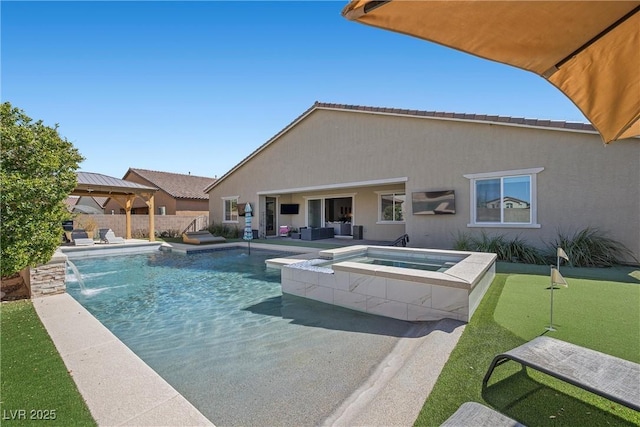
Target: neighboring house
x=431, y=175
x=178, y=194
x=70, y=202
x=90, y=205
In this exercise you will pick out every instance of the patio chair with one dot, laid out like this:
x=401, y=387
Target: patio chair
x=81, y=238
x=110, y=237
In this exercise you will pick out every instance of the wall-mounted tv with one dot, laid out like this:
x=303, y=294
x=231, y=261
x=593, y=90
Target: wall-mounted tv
x=433, y=202
x=289, y=209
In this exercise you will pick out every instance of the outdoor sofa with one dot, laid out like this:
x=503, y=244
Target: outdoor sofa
x=316, y=233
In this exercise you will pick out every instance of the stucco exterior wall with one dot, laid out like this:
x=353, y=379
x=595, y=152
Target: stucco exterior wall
x=583, y=183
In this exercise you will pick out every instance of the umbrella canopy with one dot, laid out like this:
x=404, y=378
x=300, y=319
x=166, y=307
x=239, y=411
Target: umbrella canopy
x=248, y=232
x=590, y=50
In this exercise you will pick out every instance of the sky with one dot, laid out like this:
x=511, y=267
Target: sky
x=195, y=87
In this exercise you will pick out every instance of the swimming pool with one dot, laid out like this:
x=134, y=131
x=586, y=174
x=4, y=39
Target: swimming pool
x=216, y=326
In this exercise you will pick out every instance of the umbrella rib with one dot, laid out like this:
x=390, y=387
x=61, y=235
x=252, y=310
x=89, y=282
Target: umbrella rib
x=597, y=37
x=372, y=5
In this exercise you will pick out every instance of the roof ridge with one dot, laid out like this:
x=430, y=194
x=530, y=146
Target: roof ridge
x=170, y=173
x=551, y=123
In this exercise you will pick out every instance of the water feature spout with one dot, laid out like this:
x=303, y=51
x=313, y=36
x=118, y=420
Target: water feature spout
x=76, y=273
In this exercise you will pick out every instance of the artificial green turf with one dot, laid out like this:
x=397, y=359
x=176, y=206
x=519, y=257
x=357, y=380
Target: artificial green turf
x=35, y=384
x=530, y=397
x=603, y=316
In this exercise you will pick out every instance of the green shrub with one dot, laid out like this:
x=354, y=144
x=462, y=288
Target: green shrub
x=589, y=247
x=37, y=173
x=224, y=230
x=512, y=250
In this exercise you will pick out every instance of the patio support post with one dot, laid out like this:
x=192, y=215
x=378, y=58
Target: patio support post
x=149, y=200
x=128, y=205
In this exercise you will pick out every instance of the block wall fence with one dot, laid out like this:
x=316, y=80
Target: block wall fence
x=139, y=223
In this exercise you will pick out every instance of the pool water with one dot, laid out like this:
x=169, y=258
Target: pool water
x=216, y=326
x=425, y=264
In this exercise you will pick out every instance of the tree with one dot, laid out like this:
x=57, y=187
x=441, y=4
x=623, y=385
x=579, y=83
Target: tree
x=37, y=173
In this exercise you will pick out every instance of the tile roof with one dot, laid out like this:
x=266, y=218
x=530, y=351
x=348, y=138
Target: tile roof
x=177, y=185
x=557, y=124
x=70, y=202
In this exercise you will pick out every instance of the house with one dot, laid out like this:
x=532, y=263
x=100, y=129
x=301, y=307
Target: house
x=433, y=176
x=178, y=194
x=90, y=205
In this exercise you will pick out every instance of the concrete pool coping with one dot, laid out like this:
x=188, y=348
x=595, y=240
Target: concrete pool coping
x=121, y=389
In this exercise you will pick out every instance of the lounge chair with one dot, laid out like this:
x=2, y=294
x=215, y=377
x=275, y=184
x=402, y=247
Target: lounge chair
x=81, y=238
x=108, y=236
x=478, y=415
x=201, y=237
x=605, y=375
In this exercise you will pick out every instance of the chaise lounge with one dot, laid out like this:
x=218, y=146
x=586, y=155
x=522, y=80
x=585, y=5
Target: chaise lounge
x=201, y=237
x=108, y=236
x=476, y=414
x=81, y=238
x=608, y=376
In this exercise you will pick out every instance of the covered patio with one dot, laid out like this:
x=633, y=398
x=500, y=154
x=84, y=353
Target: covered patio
x=123, y=192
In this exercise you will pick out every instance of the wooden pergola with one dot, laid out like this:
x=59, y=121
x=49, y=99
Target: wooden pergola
x=123, y=192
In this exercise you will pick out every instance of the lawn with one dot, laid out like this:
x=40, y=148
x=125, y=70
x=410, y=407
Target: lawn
x=599, y=314
x=36, y=387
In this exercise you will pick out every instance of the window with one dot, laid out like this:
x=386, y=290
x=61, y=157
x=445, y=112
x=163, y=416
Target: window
x=391, y=207
x=504, y=199
x=230, y=209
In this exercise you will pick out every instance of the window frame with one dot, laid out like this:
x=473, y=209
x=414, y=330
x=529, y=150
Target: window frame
x=532, y=173
x=224, y=210
x=392, y=193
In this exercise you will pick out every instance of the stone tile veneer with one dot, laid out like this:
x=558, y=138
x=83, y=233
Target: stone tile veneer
x=400, y=293
x=49, y=279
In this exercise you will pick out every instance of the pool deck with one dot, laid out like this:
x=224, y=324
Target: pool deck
x=121, y=389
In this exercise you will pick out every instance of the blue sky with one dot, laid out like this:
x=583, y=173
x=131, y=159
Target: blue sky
x=197, y=86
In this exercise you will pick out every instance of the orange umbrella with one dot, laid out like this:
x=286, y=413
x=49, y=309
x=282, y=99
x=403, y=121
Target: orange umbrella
x=590, y=50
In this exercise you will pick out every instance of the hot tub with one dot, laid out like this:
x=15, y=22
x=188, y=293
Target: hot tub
x=403, y=283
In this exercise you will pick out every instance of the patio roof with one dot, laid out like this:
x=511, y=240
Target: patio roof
x=123, y=192
x=96, y=184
